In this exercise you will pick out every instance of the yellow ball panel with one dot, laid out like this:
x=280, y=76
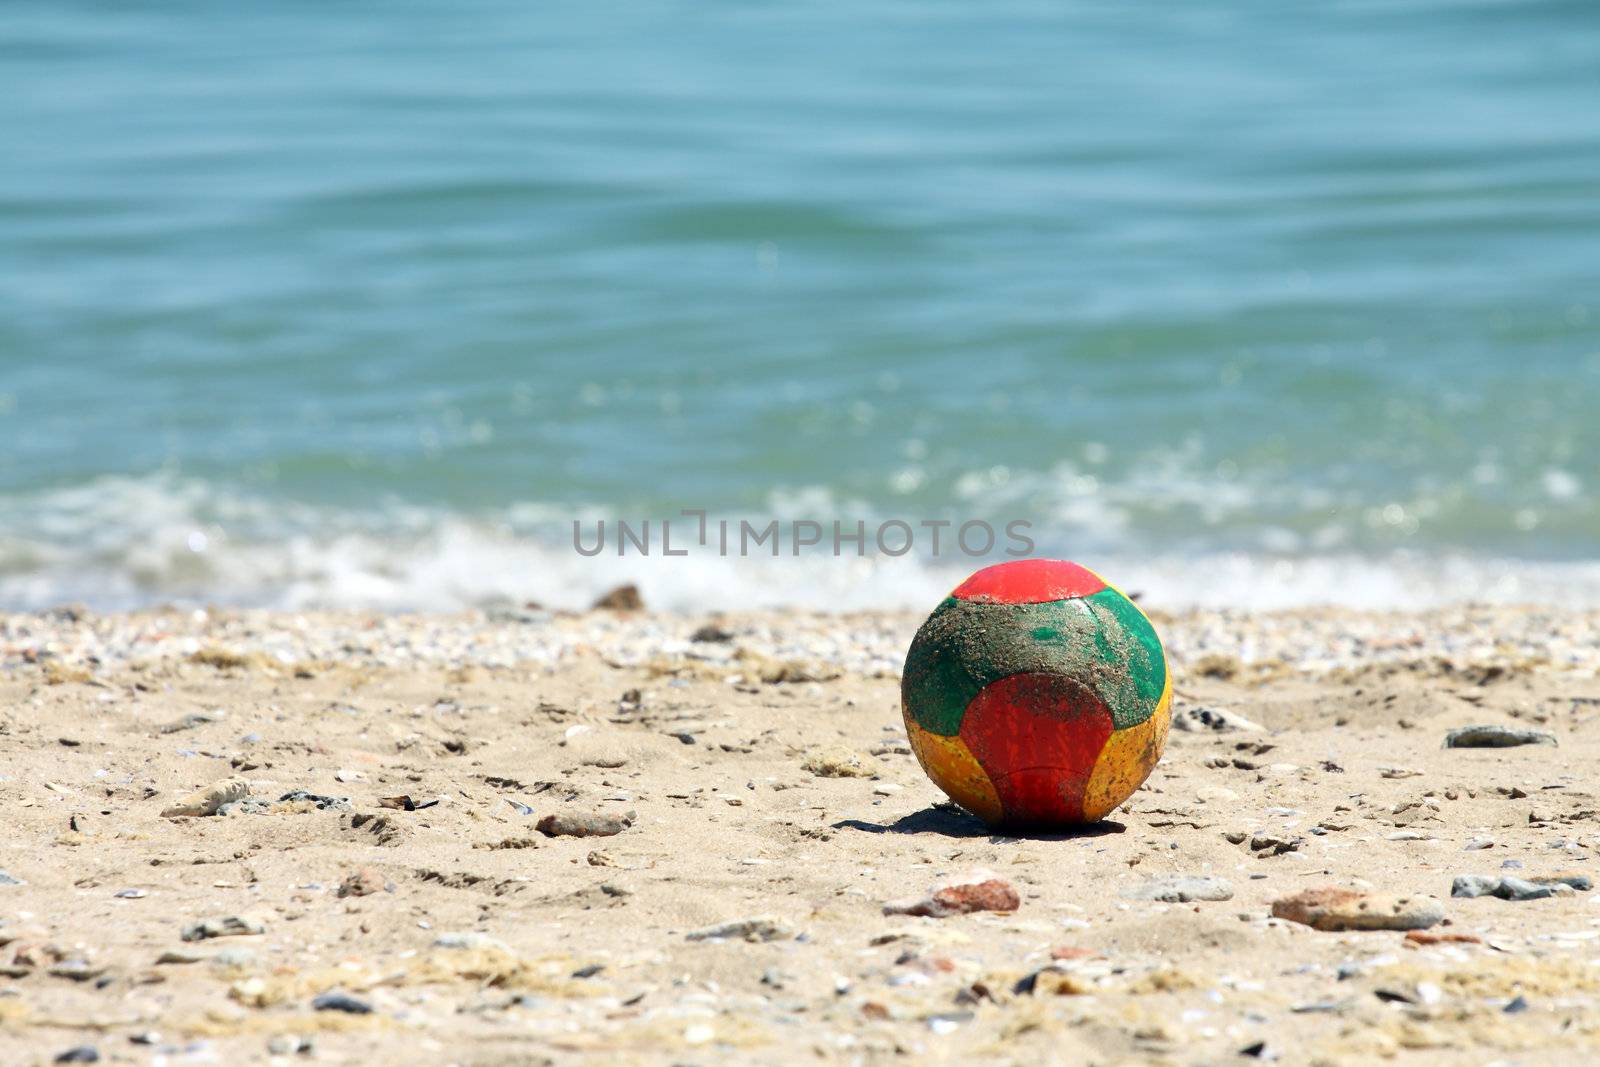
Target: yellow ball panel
x=955, y=770
x=1127, y=760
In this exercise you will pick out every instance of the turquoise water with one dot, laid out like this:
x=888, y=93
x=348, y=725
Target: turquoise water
x=362, y=303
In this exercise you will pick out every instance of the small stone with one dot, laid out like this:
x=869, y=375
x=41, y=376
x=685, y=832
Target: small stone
x=1516, y=1005
x=1196, y=719
x=622, y=598
x=1334, y=908
x=1274, y=845
x=1478, y=844
x=469, y=941
x=188, y=722
x=601, y=858
x=130, y=894
x=975, y=891
x=584, y=824
x=362, y=883
x=1179, y=889
x=81, y=1054
x=206, y=801
x=1581, y=882
x=1474, y=885
x=7, y=878
x=1492, y=736
x=1422, y=937
x=759, y=928
x=77, y=970
x=949, y=1022
x=1519, y=889
x=317, y=800
x=612, y=889
x=223, y=926
x=288, y=1044
x=711, y=633
x=337, y=1001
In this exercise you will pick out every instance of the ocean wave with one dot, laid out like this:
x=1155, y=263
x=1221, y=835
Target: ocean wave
x=130, y=542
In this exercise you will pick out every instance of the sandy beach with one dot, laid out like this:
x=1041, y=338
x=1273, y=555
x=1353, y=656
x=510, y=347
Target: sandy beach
x=761, y=807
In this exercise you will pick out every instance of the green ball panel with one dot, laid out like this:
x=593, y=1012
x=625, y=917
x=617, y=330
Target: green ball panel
x=1103, y=641
x=1126, y=636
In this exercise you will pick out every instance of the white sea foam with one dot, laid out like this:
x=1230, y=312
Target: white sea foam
x=127, y=542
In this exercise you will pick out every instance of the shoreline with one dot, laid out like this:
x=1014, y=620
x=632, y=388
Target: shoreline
x=766, y=811
x=1311, y=641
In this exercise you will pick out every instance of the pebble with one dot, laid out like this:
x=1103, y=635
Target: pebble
x=130, y=894
x=1520, y=889
x=1478, y=843
x=759, y=928
x=1422, y=937
x=1490, y=736
x=317, y=800
x=1274, y=845
x=206, y=801
x=1473, y=885
x=188, y=722
x=978, y=890
x=1508, y=888
x=1196, y=719
x=223, y=926
x=948, y=1022
x=1335, y=908
x=1180, y=889
x=711, y=633
x=622, y=598
x=337, y=1001
x=7, y=878
x=1581, y=882
x=470, y=940
x=288, y=1044
x=362, y=883
x=584, y=824
x=81, y=1054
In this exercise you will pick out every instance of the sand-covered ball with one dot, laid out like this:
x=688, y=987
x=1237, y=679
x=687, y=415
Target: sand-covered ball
x=1037, y=695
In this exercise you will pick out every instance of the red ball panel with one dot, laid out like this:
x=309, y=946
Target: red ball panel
x=1037, y=736
x=1029, y=581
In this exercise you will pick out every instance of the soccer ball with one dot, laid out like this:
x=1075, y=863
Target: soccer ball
x=1037, y=695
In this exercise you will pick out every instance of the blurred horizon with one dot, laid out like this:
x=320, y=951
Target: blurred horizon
x=363, y=305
